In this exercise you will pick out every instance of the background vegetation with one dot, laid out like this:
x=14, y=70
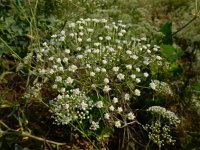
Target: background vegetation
x=25, y=24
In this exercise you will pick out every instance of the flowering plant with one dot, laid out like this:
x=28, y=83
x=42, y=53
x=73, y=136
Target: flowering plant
x=97, y=69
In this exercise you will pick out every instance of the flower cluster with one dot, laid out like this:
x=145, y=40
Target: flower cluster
x=165, y=114
x=70, y=107
x=159, y=134
x=161, y=87
x=95, y=65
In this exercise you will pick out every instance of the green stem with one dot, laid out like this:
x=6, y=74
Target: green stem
x=194, y=18
x=10, y=49
x=24, y=134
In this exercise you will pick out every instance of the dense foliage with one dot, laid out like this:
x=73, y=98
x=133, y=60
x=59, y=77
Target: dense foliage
x=99, y=74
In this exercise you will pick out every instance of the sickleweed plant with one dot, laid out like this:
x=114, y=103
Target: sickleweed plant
x=159, y=130
x=96, y=70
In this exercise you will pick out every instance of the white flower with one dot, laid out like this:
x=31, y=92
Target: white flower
x=128, y=52
x=55, y=86
x=137, y=69
x=51, y=58
x=106, y=116
x=69, y=80
x=100, y=38
x=62, y=38
x=138, y=80
x=62, y=90
x=134, y=57
x=94, y=126
x=117, y=124
x=119, y=47
x=155, y=49
x=108, y=38
x=51, y=71
x=137, y=92
x=67, y=51
x=93, y=86
x=72, y=68
x=66, y=106
x=65, y=59
x=72, y=25
x=42, y=71
x=78, y=48
x=97, y=69
x=123, y=31
x=84, y=106
x=158, y=58
x=111, y=108
x=90, y=30
x=120, y=34
x=115, y=69
x=58, y=79
x=133, y=76
x=79, y=39
x=129, y=66
x=103, y=70
x=97, y=44
x=104, y=62
x=146, y=74
x=95, y=51
x=80, y=27
x=81, y=33
x=143, y=38
x=79, y=56
x=88, y=66
x=115, y=100
x=92, y=74
x=106, y=88
x=119, y=109
x=120, y=76
x=71, y=34
x=149, y=51
x=131, y=116
x=127, y=96
x=55, y=67
x=76, y=91
x=106, y=80
x=58, y=60
x=99, y=104
x=60, y=68
x=89, y=40
x=107, y=27
x=152, y=85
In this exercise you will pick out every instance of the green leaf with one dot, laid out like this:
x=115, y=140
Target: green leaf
x=166, y=29
x=170, y=53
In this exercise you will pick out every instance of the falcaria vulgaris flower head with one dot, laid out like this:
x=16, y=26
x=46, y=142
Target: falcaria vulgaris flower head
x=95, y=65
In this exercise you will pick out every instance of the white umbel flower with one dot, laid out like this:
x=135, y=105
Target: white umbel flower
x=127, y=96
x=106, y=88
x=99, y=104
x=111, y=108
x=106, y=116
x=131, y=116
x=120, y=76
x=115, y=69
x=119, y=109
x=137, y=92
x=106, y=80
x=117, y=124
x=115, y=100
